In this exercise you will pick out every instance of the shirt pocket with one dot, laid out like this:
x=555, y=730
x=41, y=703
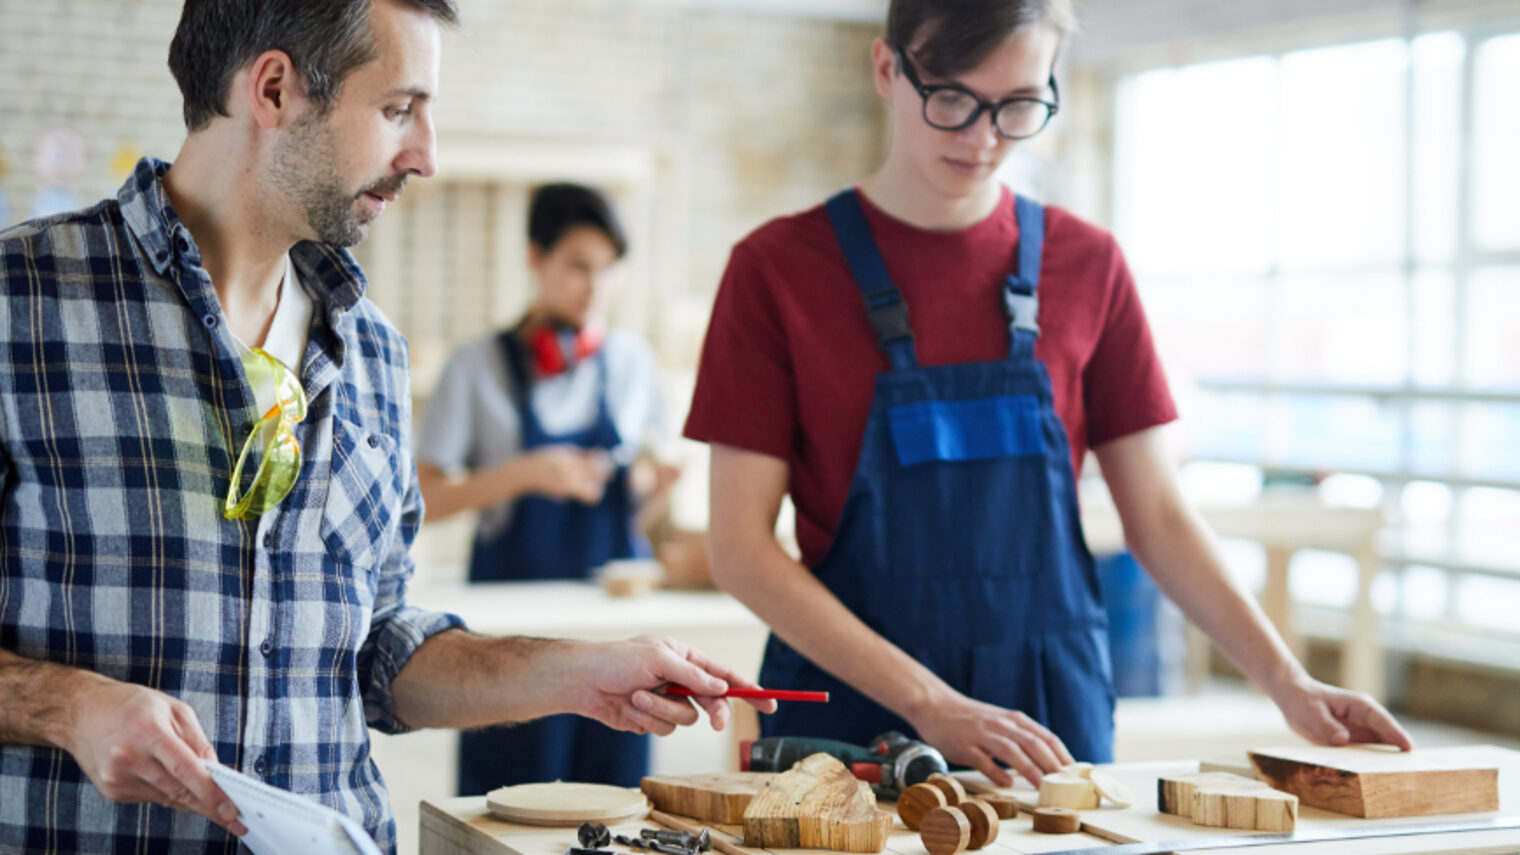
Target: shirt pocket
x=364, y=496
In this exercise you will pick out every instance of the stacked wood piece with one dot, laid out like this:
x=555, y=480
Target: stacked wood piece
x=1222, y=800
x=817, y=804
x=712, y=798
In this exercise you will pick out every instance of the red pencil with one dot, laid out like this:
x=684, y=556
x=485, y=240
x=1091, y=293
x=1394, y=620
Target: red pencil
x=756, y=694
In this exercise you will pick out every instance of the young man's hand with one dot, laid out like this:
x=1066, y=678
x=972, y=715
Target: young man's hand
x=618, y=684
x=567, y=472
x=982, y=736
x=1328, y=715
x=140, y=745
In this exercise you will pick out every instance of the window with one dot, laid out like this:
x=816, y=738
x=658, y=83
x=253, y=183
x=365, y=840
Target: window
x=1328, y=245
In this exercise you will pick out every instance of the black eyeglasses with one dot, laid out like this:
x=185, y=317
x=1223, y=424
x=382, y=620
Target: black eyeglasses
x=952, y=108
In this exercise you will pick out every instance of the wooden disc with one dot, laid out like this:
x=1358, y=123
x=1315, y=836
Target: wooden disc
x=561, y=803
x=984, y=822
x=1112, y=788
x=1006, y=807
x=1048, y=820
x=918, y=800
x=954, y=792
x=945, y=830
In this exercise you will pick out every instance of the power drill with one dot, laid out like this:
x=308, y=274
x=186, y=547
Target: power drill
x=891, y=763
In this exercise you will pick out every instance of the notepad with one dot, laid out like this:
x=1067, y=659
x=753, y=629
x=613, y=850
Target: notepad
x=280, y=822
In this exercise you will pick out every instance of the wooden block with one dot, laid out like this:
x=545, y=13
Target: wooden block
x=945, y=830
x=1049, y=820
x=1378, y=781
x=1174, y=794
x=711, y=798
x=1257, y=808
x=984, y=822
x=817, y=804
x=563, y=803
x=954, y=792
x=1072, y=790
x=918, y=800
x=1006, y=807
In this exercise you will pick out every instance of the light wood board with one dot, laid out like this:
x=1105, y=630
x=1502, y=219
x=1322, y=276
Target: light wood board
x=562, y=803
x=1143, y=824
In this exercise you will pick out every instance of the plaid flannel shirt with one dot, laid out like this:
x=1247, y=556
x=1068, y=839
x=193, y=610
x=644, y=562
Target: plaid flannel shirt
x=123, y=405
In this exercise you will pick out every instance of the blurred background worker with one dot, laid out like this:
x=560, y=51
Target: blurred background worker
x=539, y=428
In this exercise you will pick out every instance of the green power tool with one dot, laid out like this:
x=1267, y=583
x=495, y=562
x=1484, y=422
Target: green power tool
x=891, y=763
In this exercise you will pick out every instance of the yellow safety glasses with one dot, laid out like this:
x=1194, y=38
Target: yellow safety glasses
x=275, y=433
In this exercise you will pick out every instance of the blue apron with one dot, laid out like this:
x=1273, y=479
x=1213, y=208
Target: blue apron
x=552, y=539
x=960, y=541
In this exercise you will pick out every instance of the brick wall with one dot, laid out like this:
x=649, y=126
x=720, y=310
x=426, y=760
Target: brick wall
x=742, y=114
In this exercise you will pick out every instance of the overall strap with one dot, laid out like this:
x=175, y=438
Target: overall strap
x=520, y=382
x=1020, y=296
x=884, y=303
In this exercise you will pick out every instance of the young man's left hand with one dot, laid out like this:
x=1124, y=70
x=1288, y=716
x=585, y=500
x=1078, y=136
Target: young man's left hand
x=1327, y=715
x=618, y=684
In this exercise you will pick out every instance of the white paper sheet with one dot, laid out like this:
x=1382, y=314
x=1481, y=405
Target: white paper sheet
x=280, y=822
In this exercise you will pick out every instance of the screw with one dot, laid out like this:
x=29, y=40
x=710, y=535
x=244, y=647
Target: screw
x=593, y=836
x=699, y=842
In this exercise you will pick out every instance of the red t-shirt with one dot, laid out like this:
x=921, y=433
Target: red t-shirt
x=788, y=368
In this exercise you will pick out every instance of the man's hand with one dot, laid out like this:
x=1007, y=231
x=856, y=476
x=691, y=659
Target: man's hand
x=980, y=735
x=618, y=683
x=1327, y=715
x=140, y=745
x=566, y=472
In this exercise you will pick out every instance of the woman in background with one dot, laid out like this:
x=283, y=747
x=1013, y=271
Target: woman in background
x=538, y=428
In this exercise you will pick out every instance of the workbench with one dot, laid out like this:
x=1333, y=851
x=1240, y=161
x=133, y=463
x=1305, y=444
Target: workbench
x=423, y=764
x=463, y=826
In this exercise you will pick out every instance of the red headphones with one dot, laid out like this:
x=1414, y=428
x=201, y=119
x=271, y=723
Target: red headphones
x=557, y=349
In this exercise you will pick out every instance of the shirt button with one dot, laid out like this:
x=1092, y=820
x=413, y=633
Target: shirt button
x=181, y=244
x=258, y=766
x=268, y=540
x=266, y=647
x=162, y=257
x=209, y=321
x=374, y=441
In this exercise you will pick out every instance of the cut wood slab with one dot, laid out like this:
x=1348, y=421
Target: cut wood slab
x=1255, y=808
x=1174, y=793
x=713, y=798
x=562, y=803
x=1379, y=781
x=817, y=804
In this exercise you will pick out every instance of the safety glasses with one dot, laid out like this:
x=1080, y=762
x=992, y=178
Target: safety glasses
x=274, y=434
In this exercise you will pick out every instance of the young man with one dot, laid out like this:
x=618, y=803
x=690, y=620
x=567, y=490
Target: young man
x=922, y=362
x=206, y=488
x=539, y=427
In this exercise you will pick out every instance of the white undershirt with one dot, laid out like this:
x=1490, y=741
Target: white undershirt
x=286, y=340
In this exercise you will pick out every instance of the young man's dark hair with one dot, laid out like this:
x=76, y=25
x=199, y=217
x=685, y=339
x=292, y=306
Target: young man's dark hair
x=948, y=37
x=326, y=39
x=558, y=208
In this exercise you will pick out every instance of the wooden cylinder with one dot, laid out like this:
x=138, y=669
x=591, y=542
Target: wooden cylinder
x=1056, y=821
x=916, y=801
x=945, y=831
x=1006, y=807
x=954, y=792
x=984, y=822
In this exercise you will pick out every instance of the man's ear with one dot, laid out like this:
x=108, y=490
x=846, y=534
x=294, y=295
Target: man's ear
x=883, y=66
x=272, y=89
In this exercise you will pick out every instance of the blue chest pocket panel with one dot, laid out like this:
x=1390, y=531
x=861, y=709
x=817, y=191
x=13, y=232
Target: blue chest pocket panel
x=981, y=429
